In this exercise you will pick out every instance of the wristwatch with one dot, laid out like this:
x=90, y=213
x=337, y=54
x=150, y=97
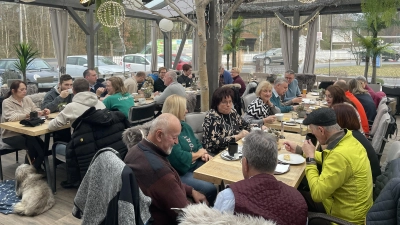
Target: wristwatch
x=310, y=160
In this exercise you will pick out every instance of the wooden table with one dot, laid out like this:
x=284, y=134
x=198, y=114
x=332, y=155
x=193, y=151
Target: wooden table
x=221, y=172
x=301, y=129
x=37, y=131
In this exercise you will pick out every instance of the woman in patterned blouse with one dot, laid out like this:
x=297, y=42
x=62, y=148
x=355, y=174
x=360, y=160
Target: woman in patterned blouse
x=222, y=124
x=262, y=108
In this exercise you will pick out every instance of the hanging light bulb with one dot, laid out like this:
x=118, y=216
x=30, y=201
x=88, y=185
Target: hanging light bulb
x=166, y=25
x=85, y=3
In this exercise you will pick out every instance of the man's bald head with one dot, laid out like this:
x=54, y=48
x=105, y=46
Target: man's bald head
x=342, y=84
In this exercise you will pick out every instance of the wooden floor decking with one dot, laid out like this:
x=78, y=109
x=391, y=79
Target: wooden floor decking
x=61, y=212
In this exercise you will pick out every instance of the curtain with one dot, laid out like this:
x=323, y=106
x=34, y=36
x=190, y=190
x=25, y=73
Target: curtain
x=59, y=32
x=311, y=47
x=154, y=34
x=286, y=35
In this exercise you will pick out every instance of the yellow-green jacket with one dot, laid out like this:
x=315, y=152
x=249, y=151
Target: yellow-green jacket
x=345, y=184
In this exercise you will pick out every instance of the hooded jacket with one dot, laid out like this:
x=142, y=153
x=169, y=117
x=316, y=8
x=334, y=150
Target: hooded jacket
x=345, y=184
x=52, y=99
x=94, y=130
x=81, y=102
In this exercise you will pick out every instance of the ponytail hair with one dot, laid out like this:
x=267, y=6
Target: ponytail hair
x=14, y=86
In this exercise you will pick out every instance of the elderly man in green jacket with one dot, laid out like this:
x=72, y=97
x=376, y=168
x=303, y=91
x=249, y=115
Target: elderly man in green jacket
x=344, y=186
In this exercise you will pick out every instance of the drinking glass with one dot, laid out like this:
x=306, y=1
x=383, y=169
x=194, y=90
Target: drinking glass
x=304, y=90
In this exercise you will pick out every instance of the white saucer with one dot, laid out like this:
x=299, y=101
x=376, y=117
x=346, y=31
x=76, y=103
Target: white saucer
x=289, y=124
x=294, y=158
x=314, y=93
x=281, y=169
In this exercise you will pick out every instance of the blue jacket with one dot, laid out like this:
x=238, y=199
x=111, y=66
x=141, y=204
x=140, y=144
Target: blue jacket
x=293, y=90
x=277, y=102
x=227, y=77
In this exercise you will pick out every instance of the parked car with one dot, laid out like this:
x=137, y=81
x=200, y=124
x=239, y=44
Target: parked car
x=38, y=68
x=274, y=55
x=389, y=53
x=76, y=64
x=139, y=62
x=184, y=59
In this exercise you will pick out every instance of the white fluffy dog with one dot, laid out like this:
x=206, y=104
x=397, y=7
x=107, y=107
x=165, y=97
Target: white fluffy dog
x=37, y=196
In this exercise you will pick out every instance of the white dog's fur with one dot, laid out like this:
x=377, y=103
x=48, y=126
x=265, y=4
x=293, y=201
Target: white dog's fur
x=36, y=195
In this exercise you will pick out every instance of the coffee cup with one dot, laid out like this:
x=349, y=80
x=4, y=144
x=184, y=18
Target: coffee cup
x=70, y=91
x=142, y=101
x=312, y=138
x=255, y=128
x=232, y=148
x=279, y=116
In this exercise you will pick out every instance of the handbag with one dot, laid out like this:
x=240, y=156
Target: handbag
x=32, y=122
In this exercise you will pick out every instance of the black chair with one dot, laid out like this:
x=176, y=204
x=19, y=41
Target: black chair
x=4, y=152
x=141, y=114
x=325, y=84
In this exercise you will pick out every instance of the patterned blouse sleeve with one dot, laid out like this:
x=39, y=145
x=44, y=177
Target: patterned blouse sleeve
x=254, y=108
x=213, y=136
x=242, y=123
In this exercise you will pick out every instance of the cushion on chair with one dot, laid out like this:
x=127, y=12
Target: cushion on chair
x=247, y=100
x=382, y=109
x=195, y=121
x=392, y=154
x=141, y=114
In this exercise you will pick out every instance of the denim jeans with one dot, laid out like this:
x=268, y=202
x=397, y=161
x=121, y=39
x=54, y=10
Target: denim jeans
x=206, y=188
x=61, y=149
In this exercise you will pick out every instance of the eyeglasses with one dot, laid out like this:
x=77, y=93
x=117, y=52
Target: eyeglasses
x=227, y=102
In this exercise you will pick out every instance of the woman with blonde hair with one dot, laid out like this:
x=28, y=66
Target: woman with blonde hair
x=118, y=98
x=188, y=154
x=364, y=97
x=262, y=108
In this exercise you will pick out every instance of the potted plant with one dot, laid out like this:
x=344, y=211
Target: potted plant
x=301, y=111
x=25, y=55
x=147, y=92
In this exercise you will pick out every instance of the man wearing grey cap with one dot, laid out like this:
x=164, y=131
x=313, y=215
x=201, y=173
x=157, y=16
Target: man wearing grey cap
x=344, y=186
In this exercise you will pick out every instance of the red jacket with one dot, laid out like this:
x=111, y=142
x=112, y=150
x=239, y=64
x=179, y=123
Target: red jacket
x=239, y=80
x=361, y=111
x=263, y=195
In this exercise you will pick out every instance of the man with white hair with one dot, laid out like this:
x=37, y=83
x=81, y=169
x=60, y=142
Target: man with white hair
x=280, y=88
x=293, y=88
x=260, y=193
x=155, y=175
x=173, y=87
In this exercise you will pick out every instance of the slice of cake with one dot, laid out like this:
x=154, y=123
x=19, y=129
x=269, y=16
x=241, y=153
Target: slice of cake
x=286, y=157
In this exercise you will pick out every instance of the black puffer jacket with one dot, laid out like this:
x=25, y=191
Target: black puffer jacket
x=386, y=209
x=392, y=171
x=94, y=130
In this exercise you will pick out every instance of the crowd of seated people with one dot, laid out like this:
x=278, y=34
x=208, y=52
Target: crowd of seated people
x=340, y=182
